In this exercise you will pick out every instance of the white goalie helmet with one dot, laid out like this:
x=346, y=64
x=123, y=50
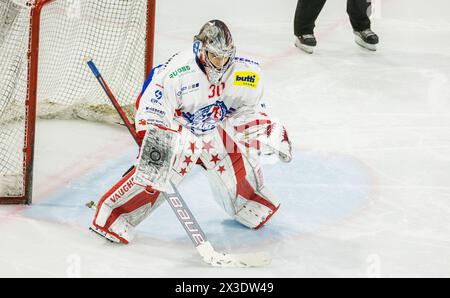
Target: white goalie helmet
x=215, y=49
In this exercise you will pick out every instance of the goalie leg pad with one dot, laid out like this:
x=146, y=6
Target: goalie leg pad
x=122, y=208
x=238, y=183
x=253, y=208
x=112, y=237
x=254, y=215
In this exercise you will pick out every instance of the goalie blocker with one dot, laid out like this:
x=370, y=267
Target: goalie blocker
x=236, y=181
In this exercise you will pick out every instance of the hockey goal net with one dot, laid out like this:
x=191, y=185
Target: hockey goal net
x=44, y=46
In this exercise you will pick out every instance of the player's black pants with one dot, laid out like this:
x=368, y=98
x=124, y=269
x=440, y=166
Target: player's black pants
x=308, y=10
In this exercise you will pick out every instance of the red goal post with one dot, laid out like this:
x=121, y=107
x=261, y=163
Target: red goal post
x=119, y=35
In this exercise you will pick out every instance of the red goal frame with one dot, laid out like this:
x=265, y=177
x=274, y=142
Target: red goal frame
x=31, y=101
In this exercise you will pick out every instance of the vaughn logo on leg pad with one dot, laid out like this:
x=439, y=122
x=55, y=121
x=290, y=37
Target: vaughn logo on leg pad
x=246, y=79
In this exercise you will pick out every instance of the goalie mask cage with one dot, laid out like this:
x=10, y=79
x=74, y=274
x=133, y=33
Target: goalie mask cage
x=44, y=46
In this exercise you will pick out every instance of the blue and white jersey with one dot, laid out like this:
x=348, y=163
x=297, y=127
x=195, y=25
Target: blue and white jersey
x=178, y=92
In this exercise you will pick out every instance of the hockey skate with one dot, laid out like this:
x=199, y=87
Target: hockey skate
x=108, y=235
x=103, y=234
x=366, y=39
x=306, y=43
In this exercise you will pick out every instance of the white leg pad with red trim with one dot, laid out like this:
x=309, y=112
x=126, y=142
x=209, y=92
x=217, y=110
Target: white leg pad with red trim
x=253, y=214
x=238, y=183
x=104, y=234
x=123, y=207
x=120, y=231
x=129, y=202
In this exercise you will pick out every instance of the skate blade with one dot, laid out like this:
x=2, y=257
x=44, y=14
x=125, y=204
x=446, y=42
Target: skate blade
x=104, y=235
x=304, y=48
x=363, y=44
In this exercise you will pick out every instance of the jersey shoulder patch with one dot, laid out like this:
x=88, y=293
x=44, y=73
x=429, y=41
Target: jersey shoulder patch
x=248, y=79
x=181, y=66
x=168, y=63
x=246, y=61
x=247, y=73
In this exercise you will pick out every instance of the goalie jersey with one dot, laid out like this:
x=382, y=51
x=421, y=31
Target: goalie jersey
x=178, y=92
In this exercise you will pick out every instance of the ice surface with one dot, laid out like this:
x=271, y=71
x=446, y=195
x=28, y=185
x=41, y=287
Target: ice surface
x=368, y=192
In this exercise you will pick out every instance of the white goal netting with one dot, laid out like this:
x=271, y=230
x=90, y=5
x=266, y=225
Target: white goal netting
x=111, y=32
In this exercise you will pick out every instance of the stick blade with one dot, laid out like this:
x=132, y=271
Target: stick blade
x=218, y=259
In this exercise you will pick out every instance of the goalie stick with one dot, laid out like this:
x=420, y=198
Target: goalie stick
x=114, y=101
x=181, y=210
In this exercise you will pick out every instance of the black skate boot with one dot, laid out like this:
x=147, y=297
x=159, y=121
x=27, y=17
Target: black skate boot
x=306, y=42
x=366, y=39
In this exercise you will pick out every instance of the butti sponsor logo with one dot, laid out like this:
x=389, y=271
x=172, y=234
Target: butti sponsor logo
x=246, y=79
